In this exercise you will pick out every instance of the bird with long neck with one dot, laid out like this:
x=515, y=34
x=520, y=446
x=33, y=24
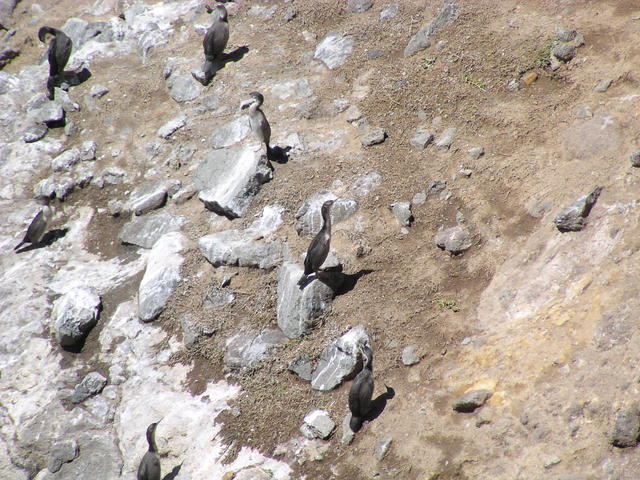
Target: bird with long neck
x=149, y=468
x=258, y=121
x=361, y=391
x=214, y=43
x=319, y=247
x=58, y=54
x=39, y=225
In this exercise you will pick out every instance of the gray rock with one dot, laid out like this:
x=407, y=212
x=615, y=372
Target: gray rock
x=301, y=367
x=374, y=136
x=565, y=34
x=184, y=194
x=192, y=331
x=382, y=448
x=358, y=6
x=455, y=239
x=110, y=176
x=402, y=212
x=471, y=400
x=289, y=14
x=173, y=125
x=635, y=159
x=419, y=198
x=83, y=176
x=180, y=155
x=353, y=114
x=35, y=132
x=421, y=139
x=66, y=160
x=436, y=186
x=266, y=13
x=366, y=184
x=80, y=31
x=475, y=152
x=446, y=139
x=98, y=91
x=218, y=297
x=347, y=434
x=309, y=218
x=626, y=431
x=572, y=218
x=551, y=461
x=246, y=349
x=183, y=88
x=148, y=197
x=74, y=314
x=62, y=98
x=64, y=451
x=603, y=85
x=292, y=88
x=41, y=110
x=45, y=188
x=231, y=133
x=340, y=359
x=422, y=39
x=410, y=355
x=298, y=310
x=161, y=276
x=145, y=231
x=91, y=384
x=98, y=454
x=318, y=424
x=340, y=105
x=246, y=248
x=69, y=128
x=564, y=52
x=389, y=12
x=6, y=12
x=334, y=49
x=64, y=186
x=88, y=151
x=149, y=41
x=229, y=179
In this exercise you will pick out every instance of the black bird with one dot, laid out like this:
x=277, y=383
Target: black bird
x=257, y=120
x=214, y=43
x=60, y=46
x=319, y=247
x=361, y=390
x=39, y=224
x=149, y=468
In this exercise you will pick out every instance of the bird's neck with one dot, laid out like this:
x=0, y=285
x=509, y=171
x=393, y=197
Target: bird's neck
x=326, y=225
x=152, y=444
x=254, y=108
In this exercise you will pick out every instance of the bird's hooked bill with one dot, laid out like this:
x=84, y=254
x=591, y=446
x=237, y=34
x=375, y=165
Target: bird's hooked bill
x=245, y=103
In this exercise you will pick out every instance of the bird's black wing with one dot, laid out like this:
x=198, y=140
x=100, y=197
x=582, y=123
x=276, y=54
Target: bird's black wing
x=35, y=228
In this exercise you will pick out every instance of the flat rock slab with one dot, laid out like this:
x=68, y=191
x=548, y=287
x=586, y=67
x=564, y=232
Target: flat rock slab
x=410, y=355
x=229, y=179
x=422, y=39
x=231, y=133
x=301, y=367
x=183, y=88
x=340, y=359
x=151, y=196
x=172, y=126
x=161, y=276
x=145, y=231
x=471, y=400
x=571, y=218
x=334, y=49
x=309, y=216
x=454, y=240
x=318, y=424
x=248, y=247
x=246, y=349
x=297, y=309
x=75, y=313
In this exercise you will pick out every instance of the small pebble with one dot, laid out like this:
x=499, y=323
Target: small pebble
x=603, y=85
x=635, y=159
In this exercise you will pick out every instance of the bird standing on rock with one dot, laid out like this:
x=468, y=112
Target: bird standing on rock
x=257, y=120
x=39, y=224
x=319, y=247
x=214, y=43
x=149, y=468
x=361, y=390
x=60, y=46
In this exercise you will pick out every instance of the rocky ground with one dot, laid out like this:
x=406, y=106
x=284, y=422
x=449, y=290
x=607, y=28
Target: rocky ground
x=482, y=156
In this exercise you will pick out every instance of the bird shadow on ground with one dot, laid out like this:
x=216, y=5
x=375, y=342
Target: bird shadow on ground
x=210, y=69
x=349, y=281
x=69, y=78
x=173, y=473
x=279, y=154
x=49, y=239
x=379, y=403
x=235, y=55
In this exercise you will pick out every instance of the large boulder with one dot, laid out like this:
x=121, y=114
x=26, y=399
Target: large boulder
x=161, y=276
x=75, y=313
x=309, y=216
x=298, y=309
x=228, y=179
x=231, y=133
x=340, y=359
x=145, y=231
x=248, y=247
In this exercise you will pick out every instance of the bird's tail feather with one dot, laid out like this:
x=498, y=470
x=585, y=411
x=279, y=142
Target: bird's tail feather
x=19, y=245
x=355, y=423
x=303, y=281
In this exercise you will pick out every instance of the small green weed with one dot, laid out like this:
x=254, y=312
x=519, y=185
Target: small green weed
x=448, y=304
x=428, y=62
x=476, y=83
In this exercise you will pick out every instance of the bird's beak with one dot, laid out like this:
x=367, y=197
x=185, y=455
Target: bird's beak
x=246, y=103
